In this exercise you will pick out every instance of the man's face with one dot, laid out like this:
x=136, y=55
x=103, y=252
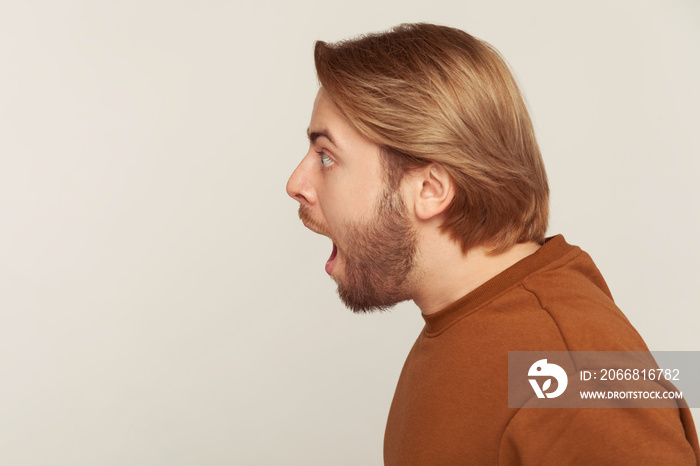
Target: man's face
x=340, y=186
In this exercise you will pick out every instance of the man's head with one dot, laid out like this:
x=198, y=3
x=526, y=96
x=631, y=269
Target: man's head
x=420, y=127
x=344, y=194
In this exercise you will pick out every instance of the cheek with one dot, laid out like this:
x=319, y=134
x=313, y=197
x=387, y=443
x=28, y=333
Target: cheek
x=334, y=213
x=349, y=196
x=357, y=200
x=339, y=211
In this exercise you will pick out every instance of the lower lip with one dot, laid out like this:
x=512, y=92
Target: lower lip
x=330, y=264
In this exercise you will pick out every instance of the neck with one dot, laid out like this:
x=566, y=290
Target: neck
x=448, y=274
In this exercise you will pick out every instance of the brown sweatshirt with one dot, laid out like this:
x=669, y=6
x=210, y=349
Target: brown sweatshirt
x=451, y=401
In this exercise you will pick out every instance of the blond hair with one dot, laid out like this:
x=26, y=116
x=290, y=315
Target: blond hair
x=427, y=93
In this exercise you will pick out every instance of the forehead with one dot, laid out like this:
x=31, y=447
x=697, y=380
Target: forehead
x=326, y=114
x=328, y=120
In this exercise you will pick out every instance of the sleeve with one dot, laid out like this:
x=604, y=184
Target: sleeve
x=600, y=436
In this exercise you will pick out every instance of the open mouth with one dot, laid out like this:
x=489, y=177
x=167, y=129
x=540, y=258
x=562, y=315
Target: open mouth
x=330, y=264
x=317, y=227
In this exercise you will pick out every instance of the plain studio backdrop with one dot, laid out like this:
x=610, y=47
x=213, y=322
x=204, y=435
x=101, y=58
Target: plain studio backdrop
x=160, y=302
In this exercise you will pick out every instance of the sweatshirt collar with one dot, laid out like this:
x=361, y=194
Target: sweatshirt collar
x=554, y=248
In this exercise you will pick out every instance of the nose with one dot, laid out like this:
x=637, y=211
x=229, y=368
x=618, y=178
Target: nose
x=299, y=186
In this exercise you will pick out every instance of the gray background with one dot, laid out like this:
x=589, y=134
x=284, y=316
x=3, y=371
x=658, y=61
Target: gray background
x=160, y=303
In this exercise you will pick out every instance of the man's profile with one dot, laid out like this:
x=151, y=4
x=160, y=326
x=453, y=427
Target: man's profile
x=424, y=171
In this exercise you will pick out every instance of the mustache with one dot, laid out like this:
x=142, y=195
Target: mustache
x=310, y=222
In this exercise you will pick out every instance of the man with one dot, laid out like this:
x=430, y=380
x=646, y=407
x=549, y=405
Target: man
x=424, y=171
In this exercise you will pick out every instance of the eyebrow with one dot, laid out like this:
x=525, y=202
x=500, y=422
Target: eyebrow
x=314, y=135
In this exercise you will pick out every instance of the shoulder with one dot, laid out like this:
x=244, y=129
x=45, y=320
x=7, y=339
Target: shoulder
x=575, y=296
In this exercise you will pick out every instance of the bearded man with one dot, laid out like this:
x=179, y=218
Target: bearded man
x=424, y=171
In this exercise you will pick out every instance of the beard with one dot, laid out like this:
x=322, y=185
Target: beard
x=379, y=256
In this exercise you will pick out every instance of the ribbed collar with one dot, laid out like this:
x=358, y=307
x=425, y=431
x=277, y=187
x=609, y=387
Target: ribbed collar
x=553, y=249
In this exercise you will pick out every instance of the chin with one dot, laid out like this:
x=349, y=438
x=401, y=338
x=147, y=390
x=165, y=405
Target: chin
x=364, y=302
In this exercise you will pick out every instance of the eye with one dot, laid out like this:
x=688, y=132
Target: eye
x=326, y=161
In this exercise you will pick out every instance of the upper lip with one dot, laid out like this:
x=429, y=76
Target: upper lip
x=320, y=230
x=310, y=223
x=315, y=230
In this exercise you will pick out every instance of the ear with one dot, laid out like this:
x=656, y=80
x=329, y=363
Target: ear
x=434, y=191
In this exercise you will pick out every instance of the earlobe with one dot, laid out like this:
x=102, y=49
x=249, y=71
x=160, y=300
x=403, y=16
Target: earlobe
x=436, y=191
